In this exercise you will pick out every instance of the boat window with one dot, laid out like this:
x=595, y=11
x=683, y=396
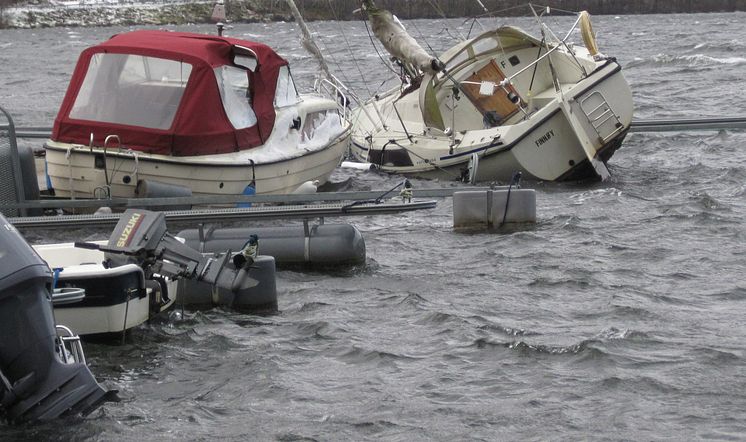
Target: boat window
x=458, y=59
x=233, y=83
x=132, y=90
x=487, y=44
x=244, y=61
x=286, y=94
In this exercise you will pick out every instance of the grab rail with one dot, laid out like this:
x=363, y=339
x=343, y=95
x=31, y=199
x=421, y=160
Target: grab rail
x=65, y=336
x=335, y=90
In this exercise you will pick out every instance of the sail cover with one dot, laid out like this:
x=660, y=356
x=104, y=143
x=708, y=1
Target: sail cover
x=397, y=41
x=172, y=93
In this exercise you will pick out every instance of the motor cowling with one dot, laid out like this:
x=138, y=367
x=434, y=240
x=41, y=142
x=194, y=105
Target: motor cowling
x=35, y=384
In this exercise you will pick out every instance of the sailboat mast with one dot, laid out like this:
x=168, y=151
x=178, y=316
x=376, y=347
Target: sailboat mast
x=307, y=39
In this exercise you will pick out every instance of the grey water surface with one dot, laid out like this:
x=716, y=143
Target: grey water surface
x=619, y=316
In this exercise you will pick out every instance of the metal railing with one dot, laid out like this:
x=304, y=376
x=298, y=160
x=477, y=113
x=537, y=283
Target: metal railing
x=69, y=347
x=11, y=179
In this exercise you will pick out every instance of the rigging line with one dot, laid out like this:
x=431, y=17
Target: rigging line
x=437, y=8
x=393, y=139
x=349, y=49
x=427, y=161
x=563, y=42
x=445, y=17
x=341, y=72
x=330, y=54
x=404, y=126
x=365, y=22
x=567, y=11
x=495, y=12
x=422, y=36
x=471, y=27
x=536, y=66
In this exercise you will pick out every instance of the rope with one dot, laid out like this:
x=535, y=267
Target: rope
x=427, y=161
x=514, y=180
x=137, y=166
x=70, y=170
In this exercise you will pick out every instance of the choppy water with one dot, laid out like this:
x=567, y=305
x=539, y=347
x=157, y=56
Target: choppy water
x=619, y=316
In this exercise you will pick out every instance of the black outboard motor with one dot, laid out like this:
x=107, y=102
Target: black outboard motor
x=35, y=383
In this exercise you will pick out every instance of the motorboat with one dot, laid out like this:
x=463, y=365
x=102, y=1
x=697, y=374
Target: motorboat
x=106, y=288
x=190, y=114
x=499, y=103
x=95, y=299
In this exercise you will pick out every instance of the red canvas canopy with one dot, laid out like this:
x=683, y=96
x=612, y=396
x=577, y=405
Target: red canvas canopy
x=200, y=124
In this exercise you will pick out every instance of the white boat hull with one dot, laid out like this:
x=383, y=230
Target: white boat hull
x=109, y=314
x=75, y=174
x=104, y=320
x=552, y=135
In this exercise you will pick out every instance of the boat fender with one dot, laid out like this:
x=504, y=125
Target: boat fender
x=249, y=190
x=157, y=189
x=586, y=31
x=473, y=168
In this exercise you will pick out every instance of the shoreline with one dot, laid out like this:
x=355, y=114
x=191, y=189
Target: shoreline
x=44, y=14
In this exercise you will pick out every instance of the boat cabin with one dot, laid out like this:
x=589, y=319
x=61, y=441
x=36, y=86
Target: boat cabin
x=479, y=66
x=175, y=93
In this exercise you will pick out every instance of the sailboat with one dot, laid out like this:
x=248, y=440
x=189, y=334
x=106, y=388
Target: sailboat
x=187, y=113
x=501, y=102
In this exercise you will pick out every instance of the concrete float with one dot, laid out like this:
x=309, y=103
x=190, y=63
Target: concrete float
x=493, y=208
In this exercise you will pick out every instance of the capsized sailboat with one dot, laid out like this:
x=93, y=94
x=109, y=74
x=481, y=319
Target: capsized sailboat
x=211, y=114
x=495, y=104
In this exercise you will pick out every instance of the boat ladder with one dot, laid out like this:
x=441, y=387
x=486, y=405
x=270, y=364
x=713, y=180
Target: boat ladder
x=603, y=119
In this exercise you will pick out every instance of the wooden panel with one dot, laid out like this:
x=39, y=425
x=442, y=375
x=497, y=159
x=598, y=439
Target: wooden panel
x=498, y=102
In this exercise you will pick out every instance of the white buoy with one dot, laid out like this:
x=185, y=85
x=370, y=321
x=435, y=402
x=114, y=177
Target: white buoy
x=307, y=188
x=355, y=165
x=103, y=211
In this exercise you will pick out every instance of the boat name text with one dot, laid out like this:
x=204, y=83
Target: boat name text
x=124, y=238
x=544, y=138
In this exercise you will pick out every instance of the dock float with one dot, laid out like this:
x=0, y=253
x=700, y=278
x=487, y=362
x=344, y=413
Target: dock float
x=229, y=214
x=693, y=124
x=661, y=125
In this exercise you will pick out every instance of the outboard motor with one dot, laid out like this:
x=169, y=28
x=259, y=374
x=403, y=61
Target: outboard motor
x=141, y=237
x=36, y=382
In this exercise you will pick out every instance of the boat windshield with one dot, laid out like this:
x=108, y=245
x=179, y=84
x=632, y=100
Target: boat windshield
x=233, y=83
x=132, y=90
x=286, y=94
x=487, y=43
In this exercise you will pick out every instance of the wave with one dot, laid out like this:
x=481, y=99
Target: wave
x=509, y=331
x=717, y=357
x=318, y=329
x=589, y=348
x=358, y=354
x=727, y=46
x=527, y=349
x=736, y=294
x=641, y=383
x=694, y=60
